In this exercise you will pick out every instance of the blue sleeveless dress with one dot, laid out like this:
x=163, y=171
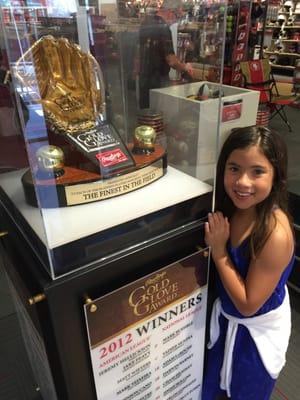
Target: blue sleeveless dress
x=250, y=380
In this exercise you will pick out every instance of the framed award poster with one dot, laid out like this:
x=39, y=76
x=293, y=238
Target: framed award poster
x=146, y=339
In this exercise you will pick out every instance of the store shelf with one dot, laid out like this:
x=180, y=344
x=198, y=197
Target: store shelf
x=292, y=27
x=288, y=13
x=23, y=23
x=290, y=43
x=287, y=67
x=281, y=53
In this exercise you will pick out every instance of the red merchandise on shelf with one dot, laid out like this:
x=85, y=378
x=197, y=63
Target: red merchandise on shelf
x=241, y=41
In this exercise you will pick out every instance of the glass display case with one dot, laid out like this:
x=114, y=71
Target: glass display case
x=118, y=112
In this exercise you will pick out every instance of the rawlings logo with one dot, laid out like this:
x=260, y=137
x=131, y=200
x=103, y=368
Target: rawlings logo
x=113, y=157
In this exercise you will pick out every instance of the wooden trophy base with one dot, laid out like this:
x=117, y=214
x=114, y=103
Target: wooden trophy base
x=76, y=186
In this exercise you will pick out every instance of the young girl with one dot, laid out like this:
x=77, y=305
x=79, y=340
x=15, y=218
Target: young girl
x=252, y=246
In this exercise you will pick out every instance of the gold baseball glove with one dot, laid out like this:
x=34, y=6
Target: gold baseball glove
x=70, y=83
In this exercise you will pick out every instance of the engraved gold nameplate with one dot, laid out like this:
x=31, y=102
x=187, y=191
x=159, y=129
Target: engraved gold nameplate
x=79, y=194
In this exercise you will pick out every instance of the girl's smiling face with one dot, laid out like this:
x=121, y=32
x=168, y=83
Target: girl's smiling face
x=248, y=177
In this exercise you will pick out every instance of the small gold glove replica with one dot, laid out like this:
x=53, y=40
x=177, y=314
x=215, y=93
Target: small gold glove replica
x=69, y=81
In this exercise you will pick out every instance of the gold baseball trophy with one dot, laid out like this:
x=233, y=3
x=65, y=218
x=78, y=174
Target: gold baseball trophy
x=85, y=158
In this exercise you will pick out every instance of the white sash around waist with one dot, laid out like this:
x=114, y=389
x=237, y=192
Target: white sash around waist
x=270, y=332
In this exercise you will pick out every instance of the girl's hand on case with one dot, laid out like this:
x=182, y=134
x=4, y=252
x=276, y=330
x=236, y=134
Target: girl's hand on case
x=217, y=232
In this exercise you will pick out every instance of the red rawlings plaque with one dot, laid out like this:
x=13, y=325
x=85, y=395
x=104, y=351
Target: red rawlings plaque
x=111, y=157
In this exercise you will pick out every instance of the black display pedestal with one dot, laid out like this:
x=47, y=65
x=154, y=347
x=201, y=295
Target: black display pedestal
x=58, y=319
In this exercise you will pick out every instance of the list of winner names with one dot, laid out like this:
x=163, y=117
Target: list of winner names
x=157, y=359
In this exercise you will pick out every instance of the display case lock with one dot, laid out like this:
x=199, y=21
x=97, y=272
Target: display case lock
x=93, y=308
x=3, y=233
x=36, y=299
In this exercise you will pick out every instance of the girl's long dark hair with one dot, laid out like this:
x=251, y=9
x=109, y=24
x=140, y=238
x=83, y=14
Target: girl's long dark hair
x=274, y=149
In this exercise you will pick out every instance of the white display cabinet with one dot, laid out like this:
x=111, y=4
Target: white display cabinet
x=192, y=125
